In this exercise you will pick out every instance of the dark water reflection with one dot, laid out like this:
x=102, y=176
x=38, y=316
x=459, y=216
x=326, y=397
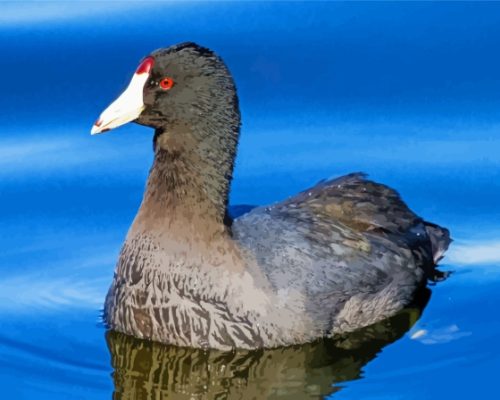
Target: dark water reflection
x=147, y=370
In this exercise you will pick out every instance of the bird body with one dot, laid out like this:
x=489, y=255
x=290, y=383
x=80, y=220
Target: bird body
x=340, y=256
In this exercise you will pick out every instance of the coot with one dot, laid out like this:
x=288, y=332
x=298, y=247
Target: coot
x=339, y=256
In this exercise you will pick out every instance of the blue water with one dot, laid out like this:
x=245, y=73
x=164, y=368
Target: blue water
x=407, y=92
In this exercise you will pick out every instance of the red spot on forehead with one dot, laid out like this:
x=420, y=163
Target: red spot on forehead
x=146, y=66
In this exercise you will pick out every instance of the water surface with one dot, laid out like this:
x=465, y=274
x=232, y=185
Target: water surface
x=405, y=92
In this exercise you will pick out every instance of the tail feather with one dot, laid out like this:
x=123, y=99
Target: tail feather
x=440, y=240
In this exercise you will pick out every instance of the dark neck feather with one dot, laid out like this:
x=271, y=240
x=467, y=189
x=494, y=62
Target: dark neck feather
x=192, y=171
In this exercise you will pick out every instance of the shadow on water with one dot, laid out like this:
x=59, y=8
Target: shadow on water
x=147, y=370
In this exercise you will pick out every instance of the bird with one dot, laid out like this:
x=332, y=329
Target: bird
x=342, y=255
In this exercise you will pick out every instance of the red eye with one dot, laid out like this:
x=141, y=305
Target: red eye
x=166, y=83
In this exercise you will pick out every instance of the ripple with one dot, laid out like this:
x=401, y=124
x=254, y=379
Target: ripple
x=35, y=292
x=468, y=252
x=439, y=335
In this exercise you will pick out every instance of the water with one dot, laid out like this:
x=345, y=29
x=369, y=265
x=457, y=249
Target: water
x=395, y=90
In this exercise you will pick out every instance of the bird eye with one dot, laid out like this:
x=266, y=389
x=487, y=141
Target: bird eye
x=166, y=83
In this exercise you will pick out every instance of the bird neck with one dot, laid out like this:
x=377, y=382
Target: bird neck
x=189, y=182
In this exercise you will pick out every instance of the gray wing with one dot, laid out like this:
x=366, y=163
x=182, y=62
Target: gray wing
x=350, y=245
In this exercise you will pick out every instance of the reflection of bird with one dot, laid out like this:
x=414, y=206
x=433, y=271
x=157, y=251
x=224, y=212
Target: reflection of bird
x=148, y=370
x=337, y=257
